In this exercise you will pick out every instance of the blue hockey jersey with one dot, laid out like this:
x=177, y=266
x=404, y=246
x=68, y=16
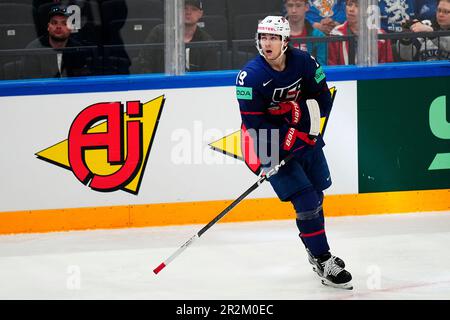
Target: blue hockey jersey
x=260, y=89
x=394, y=12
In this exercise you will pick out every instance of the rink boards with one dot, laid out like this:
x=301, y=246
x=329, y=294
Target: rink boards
x=134, y=151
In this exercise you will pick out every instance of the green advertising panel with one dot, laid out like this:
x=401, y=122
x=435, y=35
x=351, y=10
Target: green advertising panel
x=404, y=134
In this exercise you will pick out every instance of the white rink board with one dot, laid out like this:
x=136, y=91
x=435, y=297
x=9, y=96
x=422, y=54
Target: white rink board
x=30, y=124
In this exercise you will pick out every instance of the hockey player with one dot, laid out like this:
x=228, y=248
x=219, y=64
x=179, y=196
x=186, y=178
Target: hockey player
x=282, y=94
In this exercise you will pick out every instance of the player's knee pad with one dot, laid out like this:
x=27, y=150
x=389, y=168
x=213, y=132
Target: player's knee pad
x=307, y=204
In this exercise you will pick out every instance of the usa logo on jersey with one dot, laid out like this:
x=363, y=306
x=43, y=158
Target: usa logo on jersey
x=288, y=93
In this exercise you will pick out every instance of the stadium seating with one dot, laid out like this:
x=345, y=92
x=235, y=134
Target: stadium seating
x=216, y=26
x=238, y=7
x=243, y=16
x=16, y=36
x=16, y=13
x=132, y=31
x=12, y=70
x=118, y=27
x=214, y=7
x=131, y=9
x=15, y=1
x=247, y=25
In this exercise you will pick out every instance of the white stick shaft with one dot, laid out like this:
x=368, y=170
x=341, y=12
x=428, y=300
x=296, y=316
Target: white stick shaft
x=181, y=249
x=175, y=254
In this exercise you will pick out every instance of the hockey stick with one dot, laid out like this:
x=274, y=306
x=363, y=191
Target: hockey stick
x=263, y=178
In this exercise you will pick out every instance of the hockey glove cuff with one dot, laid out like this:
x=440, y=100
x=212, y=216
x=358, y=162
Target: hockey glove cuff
x=297, y=140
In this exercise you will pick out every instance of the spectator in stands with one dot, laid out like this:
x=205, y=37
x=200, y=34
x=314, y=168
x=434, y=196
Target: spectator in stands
x=393, y=13
x=343, y=52
x=432, y=48
x=324, y=15
x=64, y=63
x=197, y=58
x=84, y=17
x=301, y=28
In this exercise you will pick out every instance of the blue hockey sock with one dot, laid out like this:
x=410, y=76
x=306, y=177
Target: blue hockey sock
x=313, y=236
x=310, y=221
x=322, y=218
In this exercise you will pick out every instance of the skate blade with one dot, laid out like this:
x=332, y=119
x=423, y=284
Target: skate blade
x=346, y=286
x=317, y=271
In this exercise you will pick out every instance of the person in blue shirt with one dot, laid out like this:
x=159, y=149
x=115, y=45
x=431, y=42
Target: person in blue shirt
x=324, y=15
x=282, y=95
x=300, y=29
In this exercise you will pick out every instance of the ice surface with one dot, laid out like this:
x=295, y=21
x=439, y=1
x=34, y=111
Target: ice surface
x=401, y=256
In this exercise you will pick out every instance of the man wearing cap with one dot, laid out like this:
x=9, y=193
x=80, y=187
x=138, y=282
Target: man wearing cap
x=197, y=58
x=64, y=63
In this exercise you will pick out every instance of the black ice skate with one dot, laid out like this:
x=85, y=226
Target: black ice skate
x=311, y=260
x=331, y=271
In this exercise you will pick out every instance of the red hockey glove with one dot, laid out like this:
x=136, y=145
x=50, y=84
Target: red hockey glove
x=298, y=142
x=290, y=109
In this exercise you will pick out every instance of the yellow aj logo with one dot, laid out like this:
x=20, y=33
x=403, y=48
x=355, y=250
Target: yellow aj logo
x=100, y=153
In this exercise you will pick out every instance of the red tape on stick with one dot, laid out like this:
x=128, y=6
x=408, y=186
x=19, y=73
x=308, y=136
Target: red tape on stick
x=159, y=268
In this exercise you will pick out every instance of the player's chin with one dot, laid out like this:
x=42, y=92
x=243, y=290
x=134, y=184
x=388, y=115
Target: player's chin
x=272, y=57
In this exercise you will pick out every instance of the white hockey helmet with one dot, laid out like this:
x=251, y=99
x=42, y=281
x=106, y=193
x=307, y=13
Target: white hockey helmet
x=273, y=25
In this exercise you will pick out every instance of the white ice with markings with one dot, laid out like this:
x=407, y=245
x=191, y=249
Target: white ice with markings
x=401, y=256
